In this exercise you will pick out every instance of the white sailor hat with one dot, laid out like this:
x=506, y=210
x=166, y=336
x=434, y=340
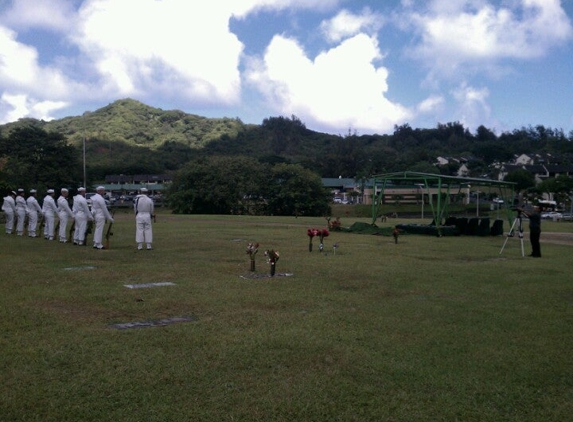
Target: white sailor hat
x=100, y=188
x=14, y=193
x=32, y=190
x=143, y=190
x=20, y=191
x=64, y=190
x=50, y=190
x=81, y=189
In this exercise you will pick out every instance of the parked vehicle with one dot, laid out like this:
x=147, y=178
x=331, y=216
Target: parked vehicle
x=552, y=215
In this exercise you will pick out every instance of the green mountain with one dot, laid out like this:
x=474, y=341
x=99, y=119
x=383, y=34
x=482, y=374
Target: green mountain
x=129, y=137
x=134, y=123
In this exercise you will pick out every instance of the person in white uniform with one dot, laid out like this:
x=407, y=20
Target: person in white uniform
x=144, y=210
x=34, y=210
x=9, y=208
x=64, y=214
x=49, y=210
x=21, y=211
x=101, y=214
x=82, y=214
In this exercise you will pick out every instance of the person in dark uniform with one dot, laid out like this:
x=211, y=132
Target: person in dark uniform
x=534, y=230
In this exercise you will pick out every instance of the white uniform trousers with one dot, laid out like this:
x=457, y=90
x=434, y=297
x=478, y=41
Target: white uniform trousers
x=81, y=226
x=32, y=223
x=63, y=226
x=143, y=231
x=20, y=223
x=98, y=231
x=9, y=221
x=49, y=226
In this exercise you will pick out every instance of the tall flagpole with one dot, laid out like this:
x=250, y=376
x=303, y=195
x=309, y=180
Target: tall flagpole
x=85, y=186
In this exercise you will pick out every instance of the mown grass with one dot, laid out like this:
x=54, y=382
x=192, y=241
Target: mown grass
x=426, y=329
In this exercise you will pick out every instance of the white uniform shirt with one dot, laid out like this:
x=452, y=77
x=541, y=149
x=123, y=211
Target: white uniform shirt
x=33, y=205
x=143, y=204
x=21, y=204
x=81, y=205
x=9, y=205
x=99, y=209
x=49, y=206
x=64, y=207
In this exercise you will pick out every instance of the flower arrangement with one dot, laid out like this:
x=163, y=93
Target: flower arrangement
x=334, y=225
x=317, y=232
x=252, y=249
x=311, y=233
x=395, y=234
x=323, y=233
x=272, y=258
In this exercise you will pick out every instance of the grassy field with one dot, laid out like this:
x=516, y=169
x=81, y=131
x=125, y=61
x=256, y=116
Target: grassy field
x=429, y=329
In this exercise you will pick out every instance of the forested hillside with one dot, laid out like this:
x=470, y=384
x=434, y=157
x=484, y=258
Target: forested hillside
x=128, y=137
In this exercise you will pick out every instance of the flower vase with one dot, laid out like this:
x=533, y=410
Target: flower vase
x=310, y=246
x=252, y=265
x=273, y=268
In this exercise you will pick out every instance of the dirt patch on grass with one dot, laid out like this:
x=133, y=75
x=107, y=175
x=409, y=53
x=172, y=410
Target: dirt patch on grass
x=557, y=238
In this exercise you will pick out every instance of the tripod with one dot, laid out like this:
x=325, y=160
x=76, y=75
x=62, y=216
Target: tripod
x=518, y=222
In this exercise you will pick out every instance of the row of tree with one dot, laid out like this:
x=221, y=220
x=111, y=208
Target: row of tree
x=244, y=185
x=560, y=187
x=31, y=156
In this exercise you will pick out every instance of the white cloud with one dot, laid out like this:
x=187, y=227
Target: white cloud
x=473, y=109
x=178, y=48
x=48, y=14
x=241, y=8
x=346, y=24
x=13, y=107
x=181, y=51
x=340, y=88
x=431, y=105
x=19, y=70
x=27, y=89
x=475, y=34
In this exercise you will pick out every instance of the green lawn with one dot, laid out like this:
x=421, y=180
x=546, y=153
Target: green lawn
x=429, y=329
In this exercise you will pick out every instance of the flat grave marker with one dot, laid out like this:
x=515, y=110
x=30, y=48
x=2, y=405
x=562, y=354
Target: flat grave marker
x=149, y=285
x=154, y=323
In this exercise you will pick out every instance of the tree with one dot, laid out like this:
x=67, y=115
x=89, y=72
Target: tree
x=296, y=191
x=219, y=185
x=33, y=157
x=523, y=178
x=559, y=187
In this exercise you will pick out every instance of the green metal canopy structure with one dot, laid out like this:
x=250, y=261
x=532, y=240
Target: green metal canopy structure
x=439, y=190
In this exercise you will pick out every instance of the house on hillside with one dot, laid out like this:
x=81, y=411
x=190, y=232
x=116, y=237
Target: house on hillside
x=149, y=179
x=522, y=160
x=463, y=171
x=554, y=170
x=118, y=179
x=460, y=163
x=441, y=161
x=540, y=172
x=343, y=189
x=130, y=184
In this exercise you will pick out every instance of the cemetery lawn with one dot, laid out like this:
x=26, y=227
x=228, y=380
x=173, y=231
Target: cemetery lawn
x=429, y=329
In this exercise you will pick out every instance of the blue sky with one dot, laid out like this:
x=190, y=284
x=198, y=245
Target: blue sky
x=339, y=65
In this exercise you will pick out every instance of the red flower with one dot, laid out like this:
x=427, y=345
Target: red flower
x=325, y=233
x=313, y=232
